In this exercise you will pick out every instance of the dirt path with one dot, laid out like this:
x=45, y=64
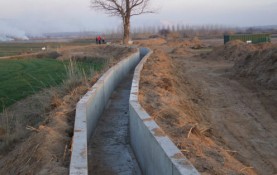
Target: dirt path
x=109, y=150
x=236, y=114
x=222, y=124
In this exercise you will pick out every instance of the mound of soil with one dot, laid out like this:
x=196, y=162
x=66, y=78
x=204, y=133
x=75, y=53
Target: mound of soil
x=149, y=42
x=233, y=50
x=193, y=43
x=257, y=62
x=181, y=50
x=185, y=47
x=261, y=66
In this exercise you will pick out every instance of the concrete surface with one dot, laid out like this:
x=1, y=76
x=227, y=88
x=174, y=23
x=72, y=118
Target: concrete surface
x=90, y=108
x=155, y=152
x=109, y=150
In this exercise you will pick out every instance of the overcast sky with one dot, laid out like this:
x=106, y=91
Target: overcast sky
x=40, y=16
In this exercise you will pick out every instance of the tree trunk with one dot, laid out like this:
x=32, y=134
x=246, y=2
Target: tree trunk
x=126, y=35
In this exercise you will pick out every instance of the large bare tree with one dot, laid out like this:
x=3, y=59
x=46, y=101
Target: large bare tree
x=124, y=9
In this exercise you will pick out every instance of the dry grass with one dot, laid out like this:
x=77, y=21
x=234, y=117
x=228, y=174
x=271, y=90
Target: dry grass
x=174, y=102
x=45, y=125
x=33, y=110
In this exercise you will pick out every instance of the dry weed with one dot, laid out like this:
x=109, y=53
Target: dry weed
x=45, y=121
x=176, y=103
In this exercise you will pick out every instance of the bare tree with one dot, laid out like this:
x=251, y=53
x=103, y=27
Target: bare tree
x=124, y=9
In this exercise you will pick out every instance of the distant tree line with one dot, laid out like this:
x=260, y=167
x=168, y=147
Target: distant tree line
x=187, y=31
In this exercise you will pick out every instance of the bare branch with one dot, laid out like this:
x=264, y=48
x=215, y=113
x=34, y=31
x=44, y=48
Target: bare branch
x=119, y=8
x=123, y=8
x=140, y=7
x=136, y=3
x=111, y=7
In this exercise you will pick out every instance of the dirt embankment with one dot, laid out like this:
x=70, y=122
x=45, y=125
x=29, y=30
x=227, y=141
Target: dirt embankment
x=257, y=62
x=108, y=52
x=44, y=148
x=47, y=149
x=261, y=67
x=168, y=97
x=220, y=125
x=193, y=43
x=232, y=51
x=147, y=42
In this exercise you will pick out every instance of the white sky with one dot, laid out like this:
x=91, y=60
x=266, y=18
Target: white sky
x=39, y=16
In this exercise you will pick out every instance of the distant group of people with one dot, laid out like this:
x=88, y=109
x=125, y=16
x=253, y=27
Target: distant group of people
x=100, y=40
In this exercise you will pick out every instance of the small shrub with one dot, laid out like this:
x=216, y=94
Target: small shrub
x=164, y=32
x=53, y=55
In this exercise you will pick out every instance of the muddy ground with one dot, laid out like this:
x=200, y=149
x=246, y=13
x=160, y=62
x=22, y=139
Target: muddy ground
x=223, y=123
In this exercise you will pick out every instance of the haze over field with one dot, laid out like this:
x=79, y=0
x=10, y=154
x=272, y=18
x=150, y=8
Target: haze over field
x=35, y=17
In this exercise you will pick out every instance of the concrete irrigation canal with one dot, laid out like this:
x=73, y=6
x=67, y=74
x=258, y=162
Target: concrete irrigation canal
x=113, y=134
x=109, y=150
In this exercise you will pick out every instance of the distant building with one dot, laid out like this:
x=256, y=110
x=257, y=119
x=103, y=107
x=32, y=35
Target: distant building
x=249, y=38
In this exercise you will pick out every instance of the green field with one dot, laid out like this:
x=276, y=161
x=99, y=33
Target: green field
x=10, y=49
x=21, y=78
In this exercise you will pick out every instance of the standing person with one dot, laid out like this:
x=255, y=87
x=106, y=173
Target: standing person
x=103, y=40
x=96, y=40
x=99, y=39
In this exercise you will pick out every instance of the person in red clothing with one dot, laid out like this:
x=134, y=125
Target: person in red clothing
x=99, y=39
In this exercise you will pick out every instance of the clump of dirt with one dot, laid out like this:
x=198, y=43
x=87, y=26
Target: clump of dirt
x=260, y=66
x=170, y=100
